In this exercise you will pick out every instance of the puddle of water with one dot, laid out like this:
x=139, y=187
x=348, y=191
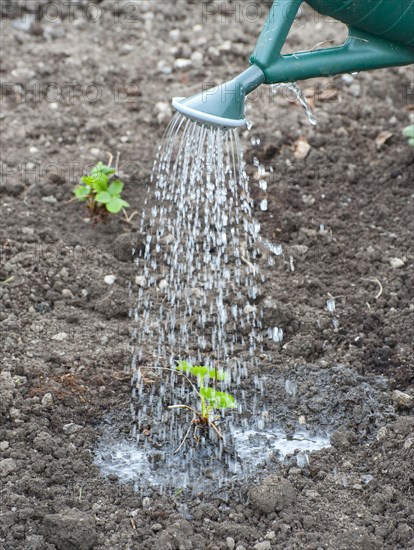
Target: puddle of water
x=252, y=446
x=131, y=463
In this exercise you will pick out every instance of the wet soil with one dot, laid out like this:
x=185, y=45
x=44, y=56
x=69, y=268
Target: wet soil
x=80, y=80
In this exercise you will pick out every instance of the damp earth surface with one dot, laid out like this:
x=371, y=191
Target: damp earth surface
x=325, y=440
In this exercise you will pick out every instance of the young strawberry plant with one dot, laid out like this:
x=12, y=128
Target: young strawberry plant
x=101, y=195
x=210, y=398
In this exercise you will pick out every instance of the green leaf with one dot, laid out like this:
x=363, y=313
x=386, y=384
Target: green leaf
x=87, y=180
x=81, y=192
x=217, y=374
x=100, y=182
x=104, y=197
x=218, y=399
x=183, y=366
x=115, y=204
x=199, y=371
x=116, y=187
x=408, y=132
x=202, y=371
x=101, y=168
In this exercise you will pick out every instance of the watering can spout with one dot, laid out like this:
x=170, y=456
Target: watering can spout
x=222, y=105
x=381, y=34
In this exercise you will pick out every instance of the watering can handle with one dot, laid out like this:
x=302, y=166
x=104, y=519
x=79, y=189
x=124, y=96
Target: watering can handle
x=361, y=51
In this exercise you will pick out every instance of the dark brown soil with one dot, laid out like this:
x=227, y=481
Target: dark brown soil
x=86, y=79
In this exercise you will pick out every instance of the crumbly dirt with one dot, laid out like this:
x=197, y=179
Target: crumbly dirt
x=80, y=80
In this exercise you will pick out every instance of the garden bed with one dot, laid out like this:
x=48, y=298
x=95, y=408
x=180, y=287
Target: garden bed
x=76, y=86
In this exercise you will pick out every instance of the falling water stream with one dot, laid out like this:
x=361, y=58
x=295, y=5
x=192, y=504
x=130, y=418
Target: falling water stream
x=199, y=280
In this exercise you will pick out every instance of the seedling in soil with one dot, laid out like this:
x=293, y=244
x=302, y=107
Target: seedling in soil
x=101, y=195
x=408, y=132
x=210, y=398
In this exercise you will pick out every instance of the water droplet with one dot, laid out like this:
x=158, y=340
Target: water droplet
x=291, y=387
x=330, y=305
x=302, y=459
x=299, y=95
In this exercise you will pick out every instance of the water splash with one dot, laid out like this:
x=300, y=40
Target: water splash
x=300, y=96
x=201, y=245
x=199, y=279
x=252, y=449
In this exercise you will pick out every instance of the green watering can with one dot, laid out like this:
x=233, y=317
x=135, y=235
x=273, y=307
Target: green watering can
x=381, y=34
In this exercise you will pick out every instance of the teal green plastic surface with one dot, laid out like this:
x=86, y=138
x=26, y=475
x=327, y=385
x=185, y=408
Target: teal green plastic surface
x=381, y=34
x=222, y=105
x=390, y=19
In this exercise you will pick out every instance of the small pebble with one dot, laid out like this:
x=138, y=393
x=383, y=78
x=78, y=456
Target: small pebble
x=395, y=263
x=214, y=55
x=109, y=279
x=164, y=111
x=402, y=400
x=47, y=400
x=22, y=75
x=140, y=280
x=382, y=433
x=407, y=444
x=164, y=67
x=175, y=34
x=230, y=543
x=182, y=63
x=50, y=199
x=71, y=428
x=226, y=46
x=60, y=336
x=66, y=293
x=197, y=59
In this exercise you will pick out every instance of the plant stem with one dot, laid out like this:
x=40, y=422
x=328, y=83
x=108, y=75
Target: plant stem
x=204, y=412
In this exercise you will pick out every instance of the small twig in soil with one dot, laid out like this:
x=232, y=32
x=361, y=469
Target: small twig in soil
x=376, y=280
x=184, y=439
x=128, y=219
x=249, y=264
x=117, y=162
